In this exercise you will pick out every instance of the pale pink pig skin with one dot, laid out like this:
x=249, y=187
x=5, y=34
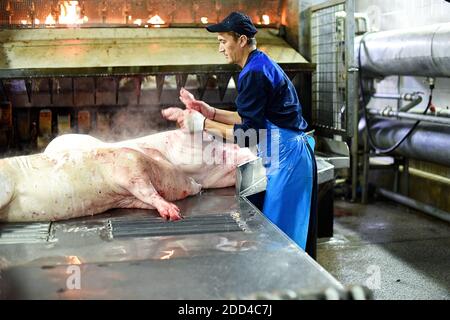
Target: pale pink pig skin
x=68, y=184
x=79, y=175
x=211, y=163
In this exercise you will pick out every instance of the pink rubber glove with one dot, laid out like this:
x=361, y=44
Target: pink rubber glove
x=191, y=103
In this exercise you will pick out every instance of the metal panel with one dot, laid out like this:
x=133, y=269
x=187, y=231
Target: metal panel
x=11, y=233
x=216, y=265
x=115, y=51
x=154, y=227
x=331, y=43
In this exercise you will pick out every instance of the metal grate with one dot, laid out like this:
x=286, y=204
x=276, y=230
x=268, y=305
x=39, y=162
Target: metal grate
x=329, y=80
x=11, y=233
x=154, y=227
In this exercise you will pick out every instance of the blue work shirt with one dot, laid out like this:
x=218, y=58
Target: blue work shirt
x=266, y=92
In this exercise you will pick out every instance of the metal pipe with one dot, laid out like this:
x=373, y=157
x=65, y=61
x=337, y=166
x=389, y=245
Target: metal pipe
x=414, y=102
x=387, y=96
x=366, y=167
x=389, y=113
x=352, y=91
x=405, y=177
x=354, y=162
x=426, y=208
x=429, y=142
x=404, y=96
x=443, y=113
x=414, y=97
x=422, y=51
x=426, y=175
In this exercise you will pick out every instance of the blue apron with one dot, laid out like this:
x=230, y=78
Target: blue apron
x=290, y=170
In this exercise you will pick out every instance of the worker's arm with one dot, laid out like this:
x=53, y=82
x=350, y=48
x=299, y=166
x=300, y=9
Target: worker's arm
x=221, y=129
x=227, y=117
x=218, y=115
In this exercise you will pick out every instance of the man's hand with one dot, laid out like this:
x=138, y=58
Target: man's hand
x=191, y=103
x=188, y=120
x=193, y=121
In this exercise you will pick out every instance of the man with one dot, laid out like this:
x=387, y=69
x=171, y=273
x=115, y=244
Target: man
x=266, y=103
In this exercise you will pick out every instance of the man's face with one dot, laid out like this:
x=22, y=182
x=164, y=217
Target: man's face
x=230, y=47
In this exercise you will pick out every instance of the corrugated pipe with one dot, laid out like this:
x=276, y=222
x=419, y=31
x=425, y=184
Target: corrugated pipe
x=422, y=51
x=429, y=142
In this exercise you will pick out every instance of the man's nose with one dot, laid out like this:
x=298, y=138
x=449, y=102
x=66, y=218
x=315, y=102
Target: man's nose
x=221, y=49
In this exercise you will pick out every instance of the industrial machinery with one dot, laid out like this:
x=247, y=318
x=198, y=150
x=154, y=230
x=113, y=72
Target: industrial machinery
x=107, y=68
x=404, y=132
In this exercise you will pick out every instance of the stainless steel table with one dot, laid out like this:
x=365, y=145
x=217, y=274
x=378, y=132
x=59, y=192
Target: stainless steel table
x=224, y=248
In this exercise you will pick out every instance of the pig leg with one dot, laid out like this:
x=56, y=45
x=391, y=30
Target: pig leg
x=149, y=178
x=145, y=192
x=165, y=176
x=132, y=171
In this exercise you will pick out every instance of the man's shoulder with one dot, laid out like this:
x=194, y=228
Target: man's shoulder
x=261, y=60
x=252, y=72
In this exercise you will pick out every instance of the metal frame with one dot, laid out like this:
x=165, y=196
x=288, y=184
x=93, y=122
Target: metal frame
x=326, y=121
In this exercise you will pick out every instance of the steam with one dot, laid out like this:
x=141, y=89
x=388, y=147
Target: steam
x=129, y=123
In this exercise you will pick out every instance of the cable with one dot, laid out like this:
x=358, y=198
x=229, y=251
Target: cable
x=369, y=135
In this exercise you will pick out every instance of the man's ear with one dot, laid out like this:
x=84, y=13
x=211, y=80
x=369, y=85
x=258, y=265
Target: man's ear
x=243, y=41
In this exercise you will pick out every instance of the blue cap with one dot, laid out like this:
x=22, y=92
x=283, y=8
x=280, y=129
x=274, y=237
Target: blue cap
x=237, y=22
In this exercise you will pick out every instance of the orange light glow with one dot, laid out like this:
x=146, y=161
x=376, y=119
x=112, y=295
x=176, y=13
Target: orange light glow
x=73, y=260
x=169, y=253
x=204, y=20
x=70, y=13
x=265, y=19
x=156, y=20
x=50, y=19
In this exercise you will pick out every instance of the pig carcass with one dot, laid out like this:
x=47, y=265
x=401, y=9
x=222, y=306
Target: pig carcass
x=67, y=184
x=208, y=161
x=80, y=175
